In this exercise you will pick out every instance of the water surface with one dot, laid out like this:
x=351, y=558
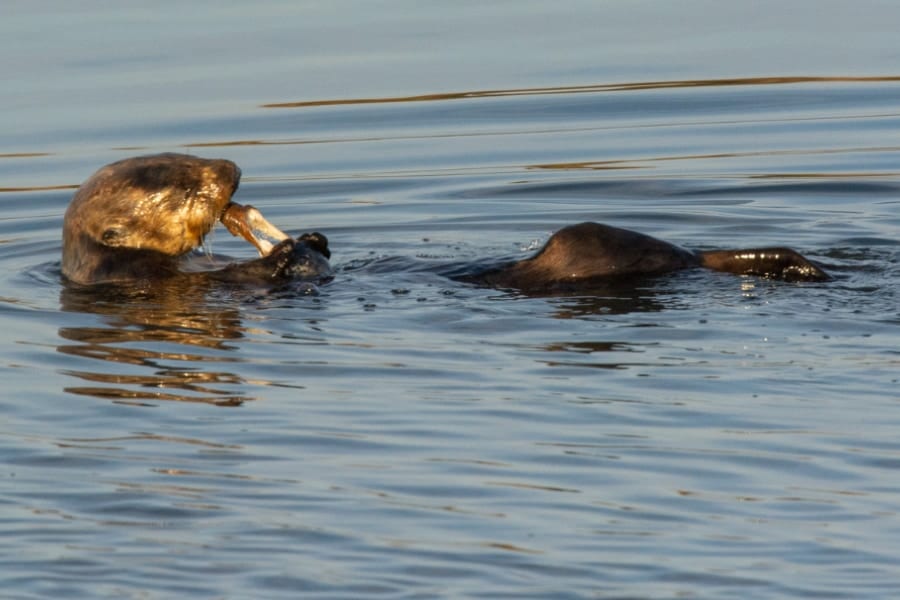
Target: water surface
x=403, y=435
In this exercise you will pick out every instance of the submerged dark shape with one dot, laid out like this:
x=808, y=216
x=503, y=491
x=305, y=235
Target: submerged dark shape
x=582, y=255
x=138, y=218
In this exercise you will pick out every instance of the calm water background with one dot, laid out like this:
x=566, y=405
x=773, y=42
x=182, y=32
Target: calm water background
x=404, y=436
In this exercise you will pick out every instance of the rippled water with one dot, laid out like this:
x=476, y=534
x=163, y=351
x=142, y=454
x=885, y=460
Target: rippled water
x=403, y=435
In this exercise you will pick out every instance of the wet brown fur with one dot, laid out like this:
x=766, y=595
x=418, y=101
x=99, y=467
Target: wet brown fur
x=580, y=254
x=136, y=216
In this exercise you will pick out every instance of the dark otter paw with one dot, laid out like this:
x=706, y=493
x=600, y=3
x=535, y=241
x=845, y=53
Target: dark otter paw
x=303, y=259
x=317, y=242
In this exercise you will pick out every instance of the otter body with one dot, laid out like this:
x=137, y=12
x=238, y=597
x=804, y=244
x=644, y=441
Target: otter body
x=137, y=218
x=586, y=253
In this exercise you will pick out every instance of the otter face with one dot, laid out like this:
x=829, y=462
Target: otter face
x=166, y=203
x=152, y=208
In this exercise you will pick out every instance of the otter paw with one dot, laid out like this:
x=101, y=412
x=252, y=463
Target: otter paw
x=289, y=260
x=304, y=258
x=317, y=242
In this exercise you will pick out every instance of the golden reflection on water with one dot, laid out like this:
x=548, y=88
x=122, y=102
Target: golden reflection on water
x=39, y=188
x=621, y=164
x=645, y=163
x=23, y=154
x=151, y=329
x=144, y=436
x=581, y=89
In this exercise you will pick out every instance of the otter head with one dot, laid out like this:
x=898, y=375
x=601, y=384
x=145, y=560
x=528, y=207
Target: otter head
x=162, y=205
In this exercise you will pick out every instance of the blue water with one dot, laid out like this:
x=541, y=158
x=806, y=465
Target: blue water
x=403, y=435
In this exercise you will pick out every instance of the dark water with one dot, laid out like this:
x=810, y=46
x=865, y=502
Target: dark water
x=402, y=435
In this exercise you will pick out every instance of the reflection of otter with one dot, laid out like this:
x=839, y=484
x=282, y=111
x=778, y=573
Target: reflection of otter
x=164, y=342
x=581, y=255
x=137, y=218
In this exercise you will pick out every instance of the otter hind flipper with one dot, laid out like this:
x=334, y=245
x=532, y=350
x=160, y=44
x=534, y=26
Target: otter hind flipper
x=774, y=263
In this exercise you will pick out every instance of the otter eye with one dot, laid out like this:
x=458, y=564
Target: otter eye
x=110, y=235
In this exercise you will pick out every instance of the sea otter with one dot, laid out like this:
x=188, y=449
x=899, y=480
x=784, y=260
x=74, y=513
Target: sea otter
x=581, y=255
x=139, y=218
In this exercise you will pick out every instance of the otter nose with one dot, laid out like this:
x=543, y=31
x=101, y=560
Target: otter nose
x=235, y=177
x=227, y=172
